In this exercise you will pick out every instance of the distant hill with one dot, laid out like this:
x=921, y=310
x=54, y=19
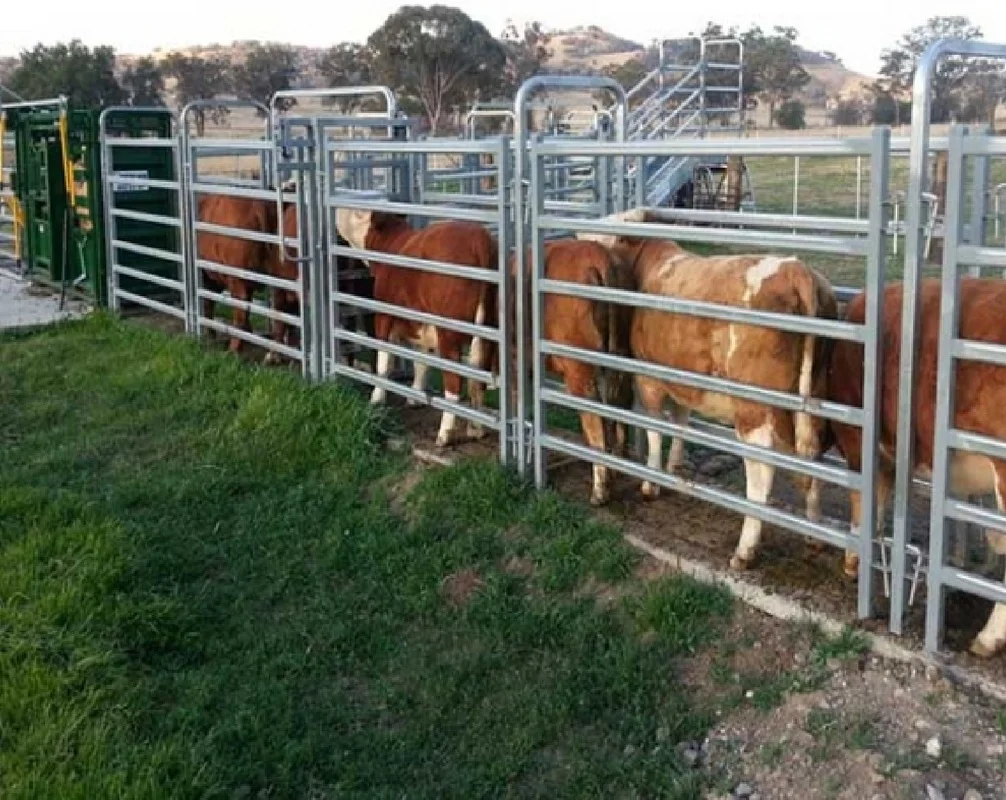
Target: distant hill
x=582, y=49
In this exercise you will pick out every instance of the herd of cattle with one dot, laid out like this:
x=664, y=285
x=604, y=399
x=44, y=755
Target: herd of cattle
x=806, y=365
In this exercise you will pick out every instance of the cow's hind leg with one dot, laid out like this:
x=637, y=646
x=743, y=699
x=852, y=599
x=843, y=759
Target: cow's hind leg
x=652, y=395
x=449, y=347
x=885, y=484
x=240, y=290
x=581, y=381
x=382, y=327
x=993, y=636
x=759, y=477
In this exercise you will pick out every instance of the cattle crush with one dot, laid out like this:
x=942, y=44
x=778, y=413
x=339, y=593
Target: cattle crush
x=280, y=266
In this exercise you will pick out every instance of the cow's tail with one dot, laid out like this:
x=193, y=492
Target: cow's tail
x=816, y=300
x=485, y=354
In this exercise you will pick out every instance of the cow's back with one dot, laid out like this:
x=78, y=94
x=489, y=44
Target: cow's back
x=749, y=354
x=459, y=243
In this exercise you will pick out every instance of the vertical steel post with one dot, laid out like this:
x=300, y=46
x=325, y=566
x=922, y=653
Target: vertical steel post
x=945, y=374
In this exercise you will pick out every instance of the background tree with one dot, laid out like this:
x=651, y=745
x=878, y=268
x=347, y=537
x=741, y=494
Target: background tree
x=791, y=115
x=144, y=82
x=348, y=64
x=267, y=69
x=847, y=113
x=437, y=55
x=200, y=79
x=775, y=70
x=526, y=54
x=956, y=80
x=629, y=73
x=85, y=76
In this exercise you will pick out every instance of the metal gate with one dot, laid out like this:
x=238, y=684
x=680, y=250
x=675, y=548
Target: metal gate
x=954, y=350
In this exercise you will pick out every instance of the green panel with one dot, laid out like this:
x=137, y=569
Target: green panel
x=64, y=242
x=156, y=163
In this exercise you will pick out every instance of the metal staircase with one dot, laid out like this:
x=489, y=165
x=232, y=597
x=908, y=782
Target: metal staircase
x=697, y=87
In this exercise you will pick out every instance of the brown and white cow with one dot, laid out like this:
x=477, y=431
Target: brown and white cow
x=979, y=402
x=754, y=355
x=460, y=243
x=590, y=325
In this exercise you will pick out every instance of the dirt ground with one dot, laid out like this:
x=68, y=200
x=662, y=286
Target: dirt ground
x=796, y=726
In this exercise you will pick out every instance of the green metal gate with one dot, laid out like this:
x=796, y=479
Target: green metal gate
x=55, y=183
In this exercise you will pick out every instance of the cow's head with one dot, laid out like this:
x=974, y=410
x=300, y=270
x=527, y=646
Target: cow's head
x=353, y=225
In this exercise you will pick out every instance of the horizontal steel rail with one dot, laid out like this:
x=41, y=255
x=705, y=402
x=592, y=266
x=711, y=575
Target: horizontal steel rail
x=727, y=236
x=148, y=142
x=985, y=352
x=248, y=275
x=705, y=147
x=343, y=199
x=439, y=403
x=421, y=147
x=728, y=444
x=791, y=323
x=151, y=252
x=252, y=338
x=250, y=306
x=378, y=307
x=150, y=303
x=157, y=280
x=422, y=264
x=705, y=492
x=244, y=233
x=206, y=146
x=117, y=179
x=140, y=216
x=975, y=256
x=429, y=359
x=756, y=394
x=229, y=190
x=749, y=219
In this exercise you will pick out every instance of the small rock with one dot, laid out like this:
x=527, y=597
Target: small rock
x=995, y=750
x=689, y=753
x=932, y=793
x=934, y=747
x=749, y=694
x=921, y=725
x=743, y=791
x=932, y=673
x=877, y=778
x=971, y=794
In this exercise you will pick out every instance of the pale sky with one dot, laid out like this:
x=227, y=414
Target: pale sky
x=855, y=29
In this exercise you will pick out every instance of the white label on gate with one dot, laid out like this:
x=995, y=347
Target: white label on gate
x=128, y=187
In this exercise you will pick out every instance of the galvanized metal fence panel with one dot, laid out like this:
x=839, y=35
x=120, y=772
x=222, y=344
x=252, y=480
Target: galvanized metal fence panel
x=954, y=349
x=871, y=245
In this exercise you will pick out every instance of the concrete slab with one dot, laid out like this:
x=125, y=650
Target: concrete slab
x=23, y=305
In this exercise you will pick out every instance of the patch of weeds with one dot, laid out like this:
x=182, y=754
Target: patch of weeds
x=769, y=755
x=832, y=733
x=722, y=672
x=911, y=758
x=956, y=758
x=832, y=785
x=1001, y=722
x=849, y=644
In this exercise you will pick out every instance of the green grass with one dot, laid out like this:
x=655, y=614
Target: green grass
x=211, y=587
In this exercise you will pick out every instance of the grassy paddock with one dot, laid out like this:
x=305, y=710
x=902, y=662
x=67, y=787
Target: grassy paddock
x=215, y=581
